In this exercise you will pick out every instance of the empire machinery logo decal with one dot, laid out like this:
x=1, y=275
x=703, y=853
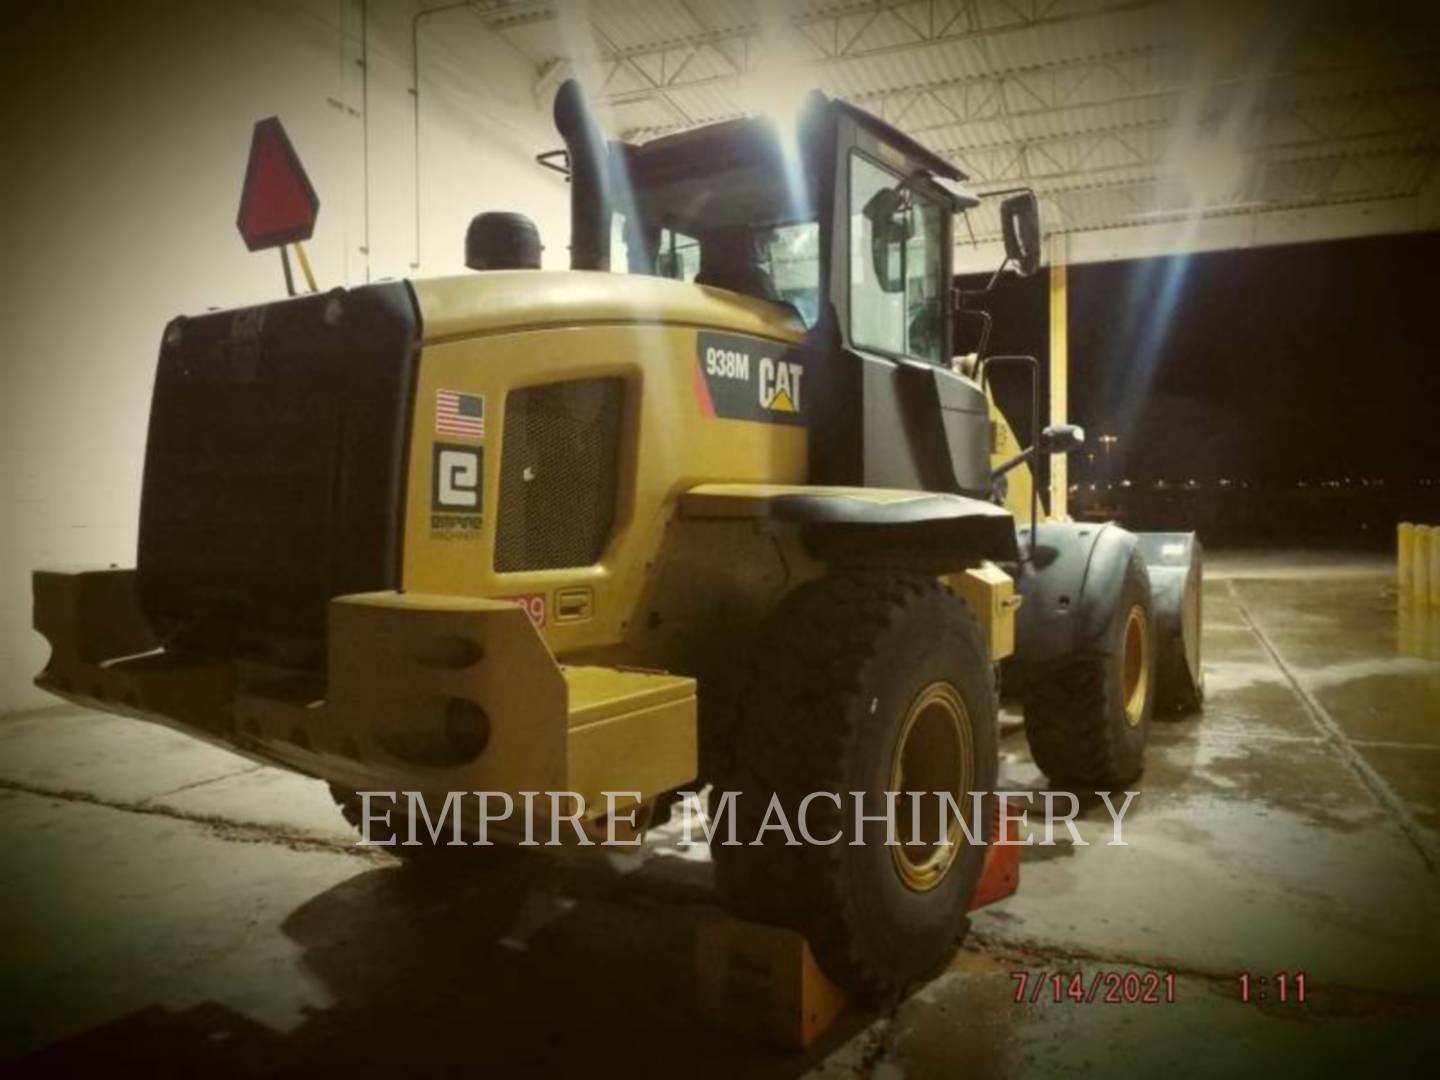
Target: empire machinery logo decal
x=745, y=378
x=456, y=491
x=455, y=476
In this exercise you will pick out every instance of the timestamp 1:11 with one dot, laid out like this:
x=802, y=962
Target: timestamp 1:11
x=1287, y=987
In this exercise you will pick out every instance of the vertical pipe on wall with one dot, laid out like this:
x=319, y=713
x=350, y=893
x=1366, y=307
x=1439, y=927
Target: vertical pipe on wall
x=1059, y=375
x=415, y=106
x=365, y=125
x=415, y=124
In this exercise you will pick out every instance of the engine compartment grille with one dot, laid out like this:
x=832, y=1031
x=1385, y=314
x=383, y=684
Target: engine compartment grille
x=274, y=468
x=559, y=472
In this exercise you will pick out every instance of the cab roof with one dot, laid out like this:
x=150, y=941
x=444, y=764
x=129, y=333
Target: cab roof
x=750, y=138
x=723, y=173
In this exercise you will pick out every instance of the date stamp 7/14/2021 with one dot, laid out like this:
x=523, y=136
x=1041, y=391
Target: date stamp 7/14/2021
x=1140, y=986
x=1144, y=986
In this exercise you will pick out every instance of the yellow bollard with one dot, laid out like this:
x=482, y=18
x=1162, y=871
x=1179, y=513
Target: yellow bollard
x=1404, y=555
x=1420, y=566
x=1435, y=570
x=1409, y=635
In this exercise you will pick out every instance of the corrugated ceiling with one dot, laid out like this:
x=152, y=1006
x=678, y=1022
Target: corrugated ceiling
x=1119, y=112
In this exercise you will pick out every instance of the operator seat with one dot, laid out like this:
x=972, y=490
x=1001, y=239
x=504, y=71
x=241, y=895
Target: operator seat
x=730, y=258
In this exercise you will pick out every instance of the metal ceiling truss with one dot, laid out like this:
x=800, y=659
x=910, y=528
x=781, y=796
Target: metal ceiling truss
x=859, y=32
x=833, y=34
x=1364, y=120
x=1108, y=137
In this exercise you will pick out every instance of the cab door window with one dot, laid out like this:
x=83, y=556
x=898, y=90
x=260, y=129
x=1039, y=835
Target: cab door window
x=896, y=264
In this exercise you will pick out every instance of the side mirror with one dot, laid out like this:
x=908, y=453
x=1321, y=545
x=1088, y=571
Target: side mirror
x=888, y=230
x=1062, y=438
x=1020, y=224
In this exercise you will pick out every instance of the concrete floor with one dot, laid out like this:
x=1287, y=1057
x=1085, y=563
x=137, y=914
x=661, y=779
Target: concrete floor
x=168, y=907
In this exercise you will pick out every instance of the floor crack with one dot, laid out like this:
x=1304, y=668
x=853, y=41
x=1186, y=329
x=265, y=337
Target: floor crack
x=228, y=830
x=150, y=799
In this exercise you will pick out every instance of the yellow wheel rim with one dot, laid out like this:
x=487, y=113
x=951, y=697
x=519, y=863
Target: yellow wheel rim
x=933, y=753
x=1135, y=664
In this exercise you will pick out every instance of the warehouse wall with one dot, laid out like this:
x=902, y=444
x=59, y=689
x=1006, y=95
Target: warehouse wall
x=126, y=130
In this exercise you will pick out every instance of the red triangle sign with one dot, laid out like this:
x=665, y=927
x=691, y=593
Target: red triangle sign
x=277, y=204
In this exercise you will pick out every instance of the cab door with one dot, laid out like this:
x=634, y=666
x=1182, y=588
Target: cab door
x=899, y=416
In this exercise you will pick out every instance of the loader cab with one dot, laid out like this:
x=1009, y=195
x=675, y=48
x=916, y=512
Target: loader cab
x=837, y=215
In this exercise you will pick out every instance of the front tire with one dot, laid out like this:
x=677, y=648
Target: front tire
x=865, y=681
x=1087, y=716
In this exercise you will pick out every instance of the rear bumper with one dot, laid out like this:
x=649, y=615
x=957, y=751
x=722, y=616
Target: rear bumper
x=421, y=692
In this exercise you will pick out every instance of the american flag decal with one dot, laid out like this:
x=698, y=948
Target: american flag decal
x=459, y=414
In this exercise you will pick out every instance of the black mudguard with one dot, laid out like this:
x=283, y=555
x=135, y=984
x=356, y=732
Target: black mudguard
x=942, y=531
x=1069, y=588
x=936, y=530
x=1176, y=565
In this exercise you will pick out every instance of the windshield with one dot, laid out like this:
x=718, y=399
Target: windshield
x=726, y=207
x=779, y=264
x=794, y=252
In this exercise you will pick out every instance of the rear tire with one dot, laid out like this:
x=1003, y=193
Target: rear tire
x=1184, y=692
x=1087, y=716
x=863, y=681
x=1179, y=666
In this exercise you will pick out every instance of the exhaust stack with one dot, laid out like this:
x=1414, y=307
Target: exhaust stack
x=589, y=179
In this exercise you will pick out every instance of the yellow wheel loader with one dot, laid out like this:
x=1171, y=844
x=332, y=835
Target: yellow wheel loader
x=715, y=506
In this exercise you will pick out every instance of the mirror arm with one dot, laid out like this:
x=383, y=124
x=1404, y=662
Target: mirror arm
x=1015, y=462
x=984, y=341
x=962, y=295
x=995, y=277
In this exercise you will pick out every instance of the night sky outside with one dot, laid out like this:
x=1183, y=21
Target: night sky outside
x=1270, y=365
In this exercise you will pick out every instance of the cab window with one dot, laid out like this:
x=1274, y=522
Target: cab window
x=896, y=264
x=678, y=257
x=795, y=268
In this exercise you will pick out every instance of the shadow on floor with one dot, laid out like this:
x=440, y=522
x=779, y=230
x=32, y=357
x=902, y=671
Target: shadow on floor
x=523, y=968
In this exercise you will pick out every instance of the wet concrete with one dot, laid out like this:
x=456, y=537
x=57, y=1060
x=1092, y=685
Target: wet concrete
x=167, y=907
